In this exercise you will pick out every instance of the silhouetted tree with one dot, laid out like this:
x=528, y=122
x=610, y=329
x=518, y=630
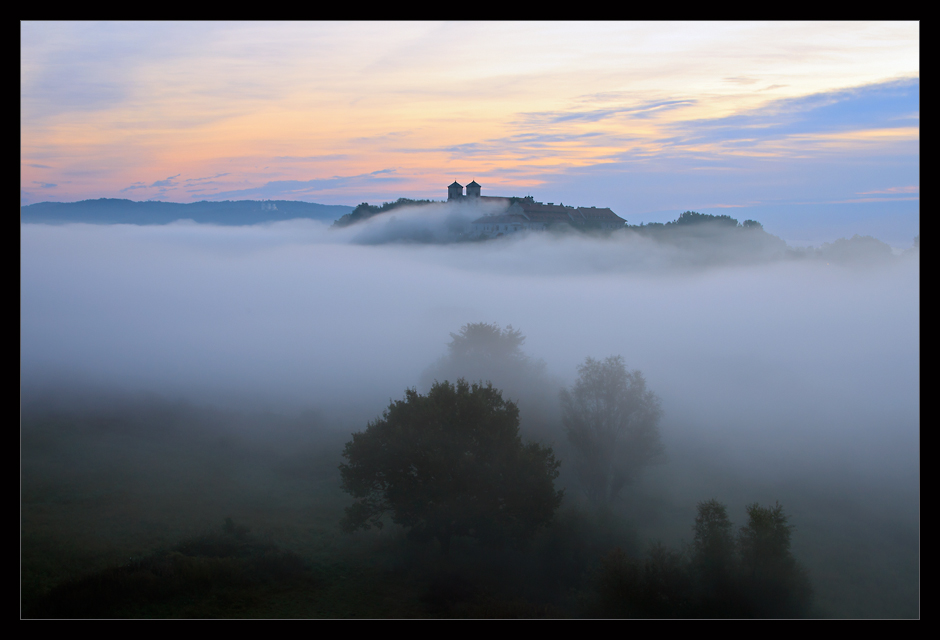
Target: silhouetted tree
x=713, y=546
x=483, y=351
x=693, y=217
x=856, y=250
x=450, y=463
x=775, y=583
x=479, y=339
x=611, y=420
x=714, y=563
x=751, y=576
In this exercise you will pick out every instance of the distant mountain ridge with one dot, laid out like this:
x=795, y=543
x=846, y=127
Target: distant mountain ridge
x=226, y=212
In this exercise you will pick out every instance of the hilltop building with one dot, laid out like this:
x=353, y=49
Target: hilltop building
x=525, y=214
x=455, y=193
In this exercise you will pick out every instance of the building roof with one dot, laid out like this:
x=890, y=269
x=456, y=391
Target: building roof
x=548, y=213
x=593, y=214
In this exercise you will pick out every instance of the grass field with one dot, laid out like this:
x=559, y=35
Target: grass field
x=153, y=509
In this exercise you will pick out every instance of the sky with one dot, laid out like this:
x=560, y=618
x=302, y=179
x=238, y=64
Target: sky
x=811, y=128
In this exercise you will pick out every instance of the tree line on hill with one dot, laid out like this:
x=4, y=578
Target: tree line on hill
x=703, y=238
x=720, y=237
x=364, y=211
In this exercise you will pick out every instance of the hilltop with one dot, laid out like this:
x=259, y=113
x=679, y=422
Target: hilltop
x=365, y=210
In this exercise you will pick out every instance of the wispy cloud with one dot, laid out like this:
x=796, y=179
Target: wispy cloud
x=730, y=206
x=878, y=106
x=295, y=110
x=745, y=80
x=858, y=200
x=168, y=182
x=645, y=109
x=530, y=141
x=300, y=188
x=330, y=157
x=835, y=121
x=191, y=181
x=159, y=184
x=892, y=190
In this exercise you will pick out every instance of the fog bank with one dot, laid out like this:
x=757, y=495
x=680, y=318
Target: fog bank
x=293, y=315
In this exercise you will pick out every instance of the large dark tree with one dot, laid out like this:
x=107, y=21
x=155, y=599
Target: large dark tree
x=450, y=463
x=612, y=422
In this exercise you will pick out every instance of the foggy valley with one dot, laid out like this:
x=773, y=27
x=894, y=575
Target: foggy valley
x=655, y=356
x=176, y=375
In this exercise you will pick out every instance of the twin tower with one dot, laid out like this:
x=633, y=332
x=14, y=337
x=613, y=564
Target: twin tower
x=455, y=191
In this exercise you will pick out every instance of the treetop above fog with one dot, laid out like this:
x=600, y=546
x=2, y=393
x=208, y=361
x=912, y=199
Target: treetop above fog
x=692, y=218
x=481, y=339
x=483, y=351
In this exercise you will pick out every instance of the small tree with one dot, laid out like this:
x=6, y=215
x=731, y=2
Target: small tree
x=752, y=576
x=765, y=540
x=482, y=340
x=483, y=351
x=612, y=421
x=777, y=585
x=714, y=563
x=713, y=547
x=450, y=463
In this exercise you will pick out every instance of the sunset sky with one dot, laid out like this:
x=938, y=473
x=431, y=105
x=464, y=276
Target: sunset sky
x=811, y=128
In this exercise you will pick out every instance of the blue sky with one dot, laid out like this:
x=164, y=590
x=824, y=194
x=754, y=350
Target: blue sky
x=810, y=127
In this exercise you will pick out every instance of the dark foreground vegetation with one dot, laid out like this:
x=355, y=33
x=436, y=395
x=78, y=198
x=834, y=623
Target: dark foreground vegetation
x=462, y=506
x=751, y=575
x=214, y=575
x=124, y=508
